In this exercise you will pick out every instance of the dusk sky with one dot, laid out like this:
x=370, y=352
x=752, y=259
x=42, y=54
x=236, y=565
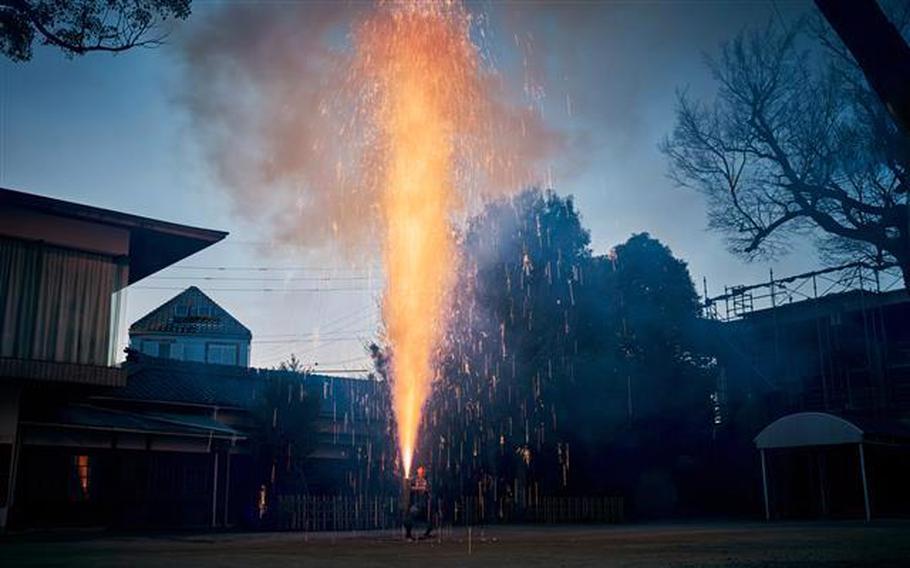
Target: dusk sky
x=111, y=131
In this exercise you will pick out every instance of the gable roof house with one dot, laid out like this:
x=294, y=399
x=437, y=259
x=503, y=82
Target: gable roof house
x=192, y=327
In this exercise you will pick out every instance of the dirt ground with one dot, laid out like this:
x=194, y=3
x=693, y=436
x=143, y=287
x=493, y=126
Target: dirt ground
x=711, y=544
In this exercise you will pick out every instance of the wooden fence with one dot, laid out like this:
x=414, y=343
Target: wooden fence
x=336, y=513
x=548, y=510
x=362, y=513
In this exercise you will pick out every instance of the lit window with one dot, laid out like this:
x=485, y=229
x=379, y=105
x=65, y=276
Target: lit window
x=82, y=476
x=262, y=503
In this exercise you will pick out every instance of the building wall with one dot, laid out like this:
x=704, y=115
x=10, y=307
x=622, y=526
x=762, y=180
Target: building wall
x=60, y=303
x=31, y=225
x=88, y=486
x=9, y=421
x=191, y=348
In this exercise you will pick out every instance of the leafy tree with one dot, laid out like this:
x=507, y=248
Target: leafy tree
x=796, y=143
x=646, y=414
x=284, y=415
x=565, y=373
x=490, y=424
x=83, y=26
x=292, y=364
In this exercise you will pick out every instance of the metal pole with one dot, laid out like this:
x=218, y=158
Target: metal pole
x=764, y=482
x=862, y=469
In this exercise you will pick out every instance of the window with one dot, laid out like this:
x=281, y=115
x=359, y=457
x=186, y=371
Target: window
x=204, y=311
x=221, y=354
x=58, y=293
x=150, y=348
x=80, y=488
x=181, y=310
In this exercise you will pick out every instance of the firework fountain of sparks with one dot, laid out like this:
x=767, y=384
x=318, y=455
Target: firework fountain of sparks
x=432, y=124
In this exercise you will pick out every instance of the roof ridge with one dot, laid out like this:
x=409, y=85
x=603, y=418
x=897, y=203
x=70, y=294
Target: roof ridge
x=166, y=318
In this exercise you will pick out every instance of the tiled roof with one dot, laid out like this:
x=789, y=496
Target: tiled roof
x=90, y=416
x=167, y=380
x=181, y=315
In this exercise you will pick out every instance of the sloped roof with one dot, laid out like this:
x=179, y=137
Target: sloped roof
x=184, y=382
x=94, y=417
x=154, y=244
x=165, y=318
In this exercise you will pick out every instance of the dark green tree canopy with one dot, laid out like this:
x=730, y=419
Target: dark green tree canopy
x=564, y=371
x=83, y=26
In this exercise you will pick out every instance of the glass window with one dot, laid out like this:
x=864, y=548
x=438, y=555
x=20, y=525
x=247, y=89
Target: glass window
x=221, y=354
x=181, y=310
x=57, y=293
x=150, y=348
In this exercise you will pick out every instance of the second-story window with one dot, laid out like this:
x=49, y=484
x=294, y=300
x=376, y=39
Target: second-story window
x=221, y=354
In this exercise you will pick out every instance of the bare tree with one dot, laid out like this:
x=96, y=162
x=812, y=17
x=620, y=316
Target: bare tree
x=796, y=144
x=82, y=26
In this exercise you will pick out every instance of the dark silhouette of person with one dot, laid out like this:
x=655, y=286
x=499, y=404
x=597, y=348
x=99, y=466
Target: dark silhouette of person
x=419, y=506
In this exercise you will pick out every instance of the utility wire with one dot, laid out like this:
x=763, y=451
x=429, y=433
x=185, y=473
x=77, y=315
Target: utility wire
x=336, y=289
x=265, y=278
x=266, y=268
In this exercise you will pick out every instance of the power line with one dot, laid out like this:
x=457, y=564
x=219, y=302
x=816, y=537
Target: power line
x=305, y=340
x=266, y=279
x=279, y=268
x=314, y=334
x=339, y=289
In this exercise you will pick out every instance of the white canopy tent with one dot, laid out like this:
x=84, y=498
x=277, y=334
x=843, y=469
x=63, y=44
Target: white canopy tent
x=813, y=429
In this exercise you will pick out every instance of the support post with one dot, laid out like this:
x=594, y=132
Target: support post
x=862, y=469
x=764, y=482
x=227, y=487
x=215, y=491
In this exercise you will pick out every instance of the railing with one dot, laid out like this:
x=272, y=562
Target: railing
x=739, y=301
x=364, y=513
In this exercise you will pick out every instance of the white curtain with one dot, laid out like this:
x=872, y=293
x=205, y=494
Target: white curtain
x=55, y=303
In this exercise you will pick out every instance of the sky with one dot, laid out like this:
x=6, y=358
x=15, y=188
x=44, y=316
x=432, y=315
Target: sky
x=115, y=132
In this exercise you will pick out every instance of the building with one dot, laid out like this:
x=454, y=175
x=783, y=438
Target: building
x=815, y=374
x=155, y=441
x=192, y=327
x=62, y=268
x=179, y=445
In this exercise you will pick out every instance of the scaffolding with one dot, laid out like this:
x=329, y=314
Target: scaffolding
x=738, y=301
x=836, y=382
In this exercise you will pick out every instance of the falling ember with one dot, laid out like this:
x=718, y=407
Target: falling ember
x=393, y=135
x=432, y=120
